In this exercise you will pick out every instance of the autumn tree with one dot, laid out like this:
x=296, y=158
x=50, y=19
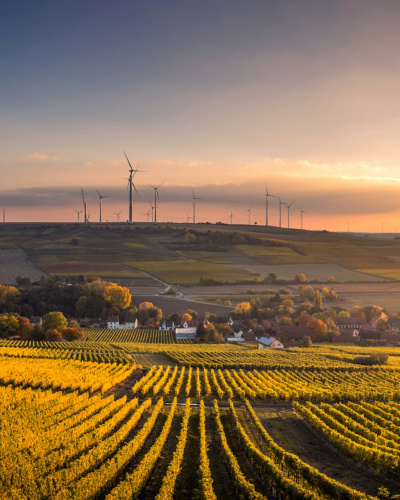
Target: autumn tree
x=8, y=298
x=73, y=334
x=24, y=329
x=285, y=321
x=117, y=296
x=8, y=325
x=319, y=328
x=300, y=278
x=53, y=335
x=55, y=320
x=306, y=292
x=242, y=307
x=317, y=300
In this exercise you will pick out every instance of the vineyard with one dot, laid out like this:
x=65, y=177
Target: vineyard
x=181, y=429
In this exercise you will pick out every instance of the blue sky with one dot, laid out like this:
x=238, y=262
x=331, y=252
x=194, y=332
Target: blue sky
x=217, y=96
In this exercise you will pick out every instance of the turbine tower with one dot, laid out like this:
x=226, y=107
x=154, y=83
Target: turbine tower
x=266, y=203
x=152, y=212
x=250, y=213
x=280, y=210
x=147, y=214
x=117, y=214
x=84, y=206
x=194, y=206
x=301, y=216
x=188, y=218
x=131, y=185
x=288, y=213
x=231, y=217
x=156, y=197
x=101, y=197
x=78, y=212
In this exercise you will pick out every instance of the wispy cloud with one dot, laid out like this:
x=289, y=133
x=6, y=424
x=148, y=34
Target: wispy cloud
x=41, y=157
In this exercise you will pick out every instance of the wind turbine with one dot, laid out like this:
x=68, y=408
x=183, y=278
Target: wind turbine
x=147, y=214
x=280, y=210
x=152, y=212
x=117, y=214
x=84, y=205
x=288, y=213
x=194, y=206
x=131, y=185
x=78, y=212
x=301, y=216
x=250, y=213
x=188, y=218
x=101, y=197
x=156, y=197
x=231, y=217
x=266, y=203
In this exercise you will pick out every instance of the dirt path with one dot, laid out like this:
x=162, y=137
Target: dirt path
x=291, y=433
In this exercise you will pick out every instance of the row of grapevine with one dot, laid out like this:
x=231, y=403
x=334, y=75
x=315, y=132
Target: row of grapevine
x=362, y=449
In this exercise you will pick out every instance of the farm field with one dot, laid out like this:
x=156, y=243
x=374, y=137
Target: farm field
x=390, y=300
x=186, y=272
x=127, y=436
x=123, y=252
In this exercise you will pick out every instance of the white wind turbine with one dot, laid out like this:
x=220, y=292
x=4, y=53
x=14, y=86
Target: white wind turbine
x=250, y=213
x=280, y=210
x=156, y=197
x=267, y=195
x=194, y=206
x=78, y=212
x=117, y=214
x=288, y=213
x=231, y=217
x=101, y=197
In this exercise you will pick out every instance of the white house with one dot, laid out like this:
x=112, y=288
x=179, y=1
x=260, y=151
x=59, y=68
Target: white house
x=114, y=324
x=185, y=333
x=167, y=325
x=269, y=343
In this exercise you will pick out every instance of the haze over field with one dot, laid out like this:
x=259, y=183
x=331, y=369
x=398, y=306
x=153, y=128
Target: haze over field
x=217, y=97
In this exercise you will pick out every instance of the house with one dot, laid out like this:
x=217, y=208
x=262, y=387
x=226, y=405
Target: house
x=298, y=332
x=114, y=324
x=189, y=324
x=347, y=336
x=356, y=322
x=36, y=320
x=394, y=322
x=182, y=332
x=249, y=336
x=269, y=343
x=167, y=325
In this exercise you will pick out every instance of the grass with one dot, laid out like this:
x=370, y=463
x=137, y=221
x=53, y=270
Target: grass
x=393, y=274
x=189, y=272
x=312, y=271
x=104, y=270
x=275, y=255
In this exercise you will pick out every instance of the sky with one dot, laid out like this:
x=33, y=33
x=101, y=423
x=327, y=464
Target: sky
x=216, y=97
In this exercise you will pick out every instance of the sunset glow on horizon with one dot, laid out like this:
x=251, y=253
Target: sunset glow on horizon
x=218, y=98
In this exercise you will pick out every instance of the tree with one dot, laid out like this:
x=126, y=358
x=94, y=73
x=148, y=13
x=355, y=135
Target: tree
x=288, y=303
x=344, y=314
x=319, y=328
x=317, y=300
x=53, y=335
x=227, y=302
x=55, y=321
x=381, y=324
x=8, y=325
x=223, y=329
x=300, y=278
x=332, y=329
x=271, y=278
x=242, y=307
x=186, y=317
x=285, y=321
x=306, y=342
x=117, y=296
x=8, y=298
x=190, y=238
x=24, y=329
x=73, y=334
x=306, y=292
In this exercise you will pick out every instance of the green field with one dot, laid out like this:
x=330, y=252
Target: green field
x=188, y=272
x=393, y=274
x=276, y=255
